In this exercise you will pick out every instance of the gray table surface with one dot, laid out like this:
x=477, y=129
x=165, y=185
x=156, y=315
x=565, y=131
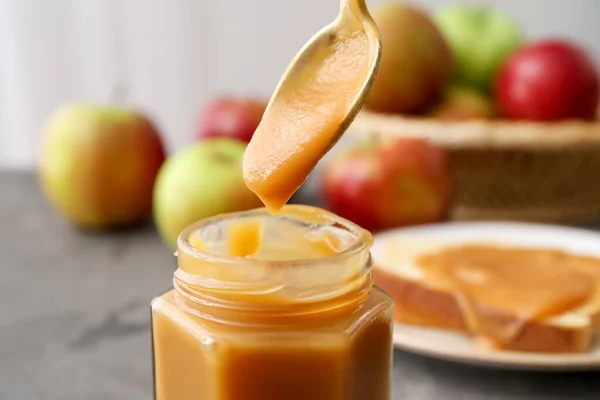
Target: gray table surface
x=74, y=317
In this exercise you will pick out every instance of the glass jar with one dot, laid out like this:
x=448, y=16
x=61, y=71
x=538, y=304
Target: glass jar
x=298, y=320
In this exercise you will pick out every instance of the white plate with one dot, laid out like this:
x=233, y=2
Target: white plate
x=456, y=347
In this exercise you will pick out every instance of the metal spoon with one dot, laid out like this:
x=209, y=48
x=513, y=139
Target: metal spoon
x=318, y=97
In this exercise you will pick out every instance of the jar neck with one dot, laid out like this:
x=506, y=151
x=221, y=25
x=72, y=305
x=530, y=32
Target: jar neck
x=248, y=291
x=270, y=305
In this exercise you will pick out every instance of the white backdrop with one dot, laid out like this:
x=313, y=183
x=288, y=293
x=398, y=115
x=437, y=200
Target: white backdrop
x=174, y=55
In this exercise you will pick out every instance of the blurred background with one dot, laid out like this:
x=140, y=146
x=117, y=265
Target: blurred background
x=174, y=56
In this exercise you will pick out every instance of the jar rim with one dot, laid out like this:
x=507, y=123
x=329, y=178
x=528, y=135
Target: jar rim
x=363, y=238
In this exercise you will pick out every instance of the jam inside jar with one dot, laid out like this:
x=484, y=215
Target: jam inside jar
x=273, y=307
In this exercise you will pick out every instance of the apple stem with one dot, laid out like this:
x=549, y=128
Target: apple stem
x=119, y=93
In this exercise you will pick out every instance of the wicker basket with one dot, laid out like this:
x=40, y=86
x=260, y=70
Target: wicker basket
x=547, y=172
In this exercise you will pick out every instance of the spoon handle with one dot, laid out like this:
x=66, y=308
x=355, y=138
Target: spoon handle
x=354, y=4
x=357, y=8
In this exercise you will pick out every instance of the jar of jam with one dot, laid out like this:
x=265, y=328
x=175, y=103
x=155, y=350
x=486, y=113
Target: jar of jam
x=273, y=307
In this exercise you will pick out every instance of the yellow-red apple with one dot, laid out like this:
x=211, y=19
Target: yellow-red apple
x=377, y=186
x=98, y=164
x=461, y=102
x=416, y=61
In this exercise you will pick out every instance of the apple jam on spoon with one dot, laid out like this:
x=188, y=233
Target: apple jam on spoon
x=316, y=100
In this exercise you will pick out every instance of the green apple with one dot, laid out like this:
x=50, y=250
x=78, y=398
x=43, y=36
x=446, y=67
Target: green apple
x=98, y=164
x=198, y=182
x=481, y=40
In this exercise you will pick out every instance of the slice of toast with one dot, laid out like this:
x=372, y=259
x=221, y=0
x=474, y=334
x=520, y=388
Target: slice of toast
x=421, y=301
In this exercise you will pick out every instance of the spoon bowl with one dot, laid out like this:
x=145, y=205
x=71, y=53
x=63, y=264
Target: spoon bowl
x=354, y=16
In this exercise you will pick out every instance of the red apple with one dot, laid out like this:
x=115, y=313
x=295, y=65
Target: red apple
x=548, y=81
x=228, y=117
x=382, y=186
